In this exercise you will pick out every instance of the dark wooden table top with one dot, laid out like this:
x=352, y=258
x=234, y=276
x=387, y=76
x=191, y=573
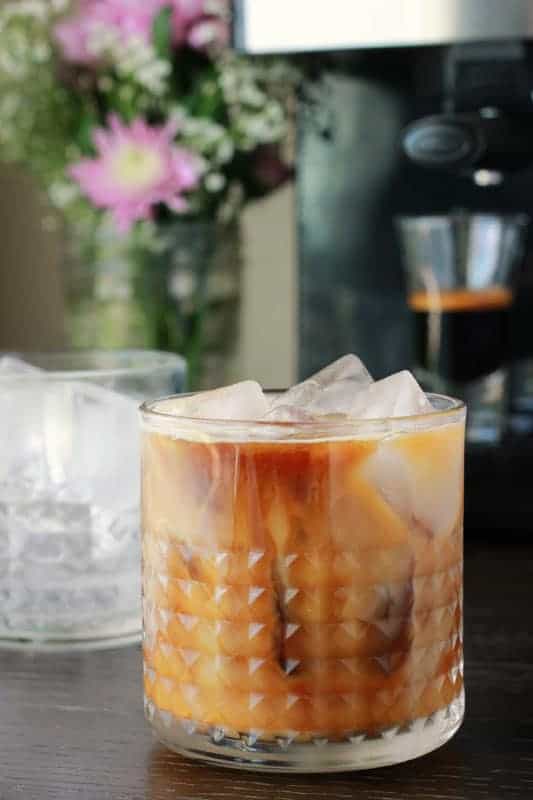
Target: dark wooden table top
x=71, y=725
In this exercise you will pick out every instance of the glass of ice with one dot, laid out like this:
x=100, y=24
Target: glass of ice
x=303, y=576
x=69, y=492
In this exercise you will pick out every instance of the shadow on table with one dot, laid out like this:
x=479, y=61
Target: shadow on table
x=444, y=773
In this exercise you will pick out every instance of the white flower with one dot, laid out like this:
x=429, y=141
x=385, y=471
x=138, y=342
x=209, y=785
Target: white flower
x=214, y=182
x=208, y=138
x=39, y=9
x=153, y=75
x=178, y=115
x=63, y=193
x=133, y=58
x=229, y=83
x=262, y=127
x=101, y=40
x=206, y=132
x=251, y=95
x=201, y=165
x=256, y=117
x=182, y=284
x=275, y=113
x=224, y=151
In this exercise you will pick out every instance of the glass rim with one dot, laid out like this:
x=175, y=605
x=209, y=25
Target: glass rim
x=150, y=361
x=454, y=410
x=520, y=217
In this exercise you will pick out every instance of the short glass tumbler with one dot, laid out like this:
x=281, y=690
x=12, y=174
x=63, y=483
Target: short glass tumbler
x=70, y=493
x=303, y=588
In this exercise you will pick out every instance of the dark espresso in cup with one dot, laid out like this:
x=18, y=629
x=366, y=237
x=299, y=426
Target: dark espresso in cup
x=460, y=334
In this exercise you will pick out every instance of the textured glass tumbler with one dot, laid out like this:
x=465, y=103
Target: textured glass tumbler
x=69, y=493
x=303, y=588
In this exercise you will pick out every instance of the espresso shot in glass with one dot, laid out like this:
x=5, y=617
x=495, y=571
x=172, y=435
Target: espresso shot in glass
x=460, y=270
x=303, y=587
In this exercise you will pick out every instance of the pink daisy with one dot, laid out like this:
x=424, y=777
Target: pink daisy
x=137, y=167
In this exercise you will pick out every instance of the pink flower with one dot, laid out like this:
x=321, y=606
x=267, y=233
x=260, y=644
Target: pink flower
x=185, y=13
x=208, y=32
x=128, y=18
x=73, y=34
x=137, y=167
x=193, y=24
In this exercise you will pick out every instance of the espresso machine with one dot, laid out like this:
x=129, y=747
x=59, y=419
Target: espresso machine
x=405, y=108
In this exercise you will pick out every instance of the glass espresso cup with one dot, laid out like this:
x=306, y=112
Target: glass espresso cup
x=303, y=588
x=460, y=271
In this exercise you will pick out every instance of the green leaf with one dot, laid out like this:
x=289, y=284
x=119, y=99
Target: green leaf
x=87, y=124
x=162, y=33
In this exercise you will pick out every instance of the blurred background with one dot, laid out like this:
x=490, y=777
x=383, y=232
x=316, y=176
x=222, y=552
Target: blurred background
x=70, y=271
x=263, y=187
x=31, y=289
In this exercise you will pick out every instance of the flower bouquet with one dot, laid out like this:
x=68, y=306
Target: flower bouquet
x=149, y=135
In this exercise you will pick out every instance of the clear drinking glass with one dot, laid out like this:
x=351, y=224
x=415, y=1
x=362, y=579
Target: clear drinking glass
x=460, y=269
x=69, y=492
x=303, y=588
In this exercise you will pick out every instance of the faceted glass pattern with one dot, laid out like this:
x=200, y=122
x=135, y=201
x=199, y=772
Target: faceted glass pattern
x=292, y=601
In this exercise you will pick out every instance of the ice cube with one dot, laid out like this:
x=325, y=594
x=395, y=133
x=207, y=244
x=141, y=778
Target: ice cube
x=92, y=444
x=346, y=368
x=10, y=365
x=288, y=413
x=421, y=477
x=68, y=441
x=399, y=395
x=240, y=401
x=330, y=391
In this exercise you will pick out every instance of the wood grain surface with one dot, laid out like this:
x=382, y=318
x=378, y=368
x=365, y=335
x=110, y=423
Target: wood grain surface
x=72, y=728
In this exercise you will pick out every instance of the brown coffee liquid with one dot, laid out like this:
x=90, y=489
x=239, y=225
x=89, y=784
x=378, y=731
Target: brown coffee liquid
x=279, y=570
x=462, y=335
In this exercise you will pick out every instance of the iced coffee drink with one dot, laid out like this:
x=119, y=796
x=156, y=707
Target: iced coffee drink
x=302, y=563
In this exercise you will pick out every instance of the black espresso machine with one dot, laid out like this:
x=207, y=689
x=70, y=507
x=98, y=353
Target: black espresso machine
x=406, y=108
